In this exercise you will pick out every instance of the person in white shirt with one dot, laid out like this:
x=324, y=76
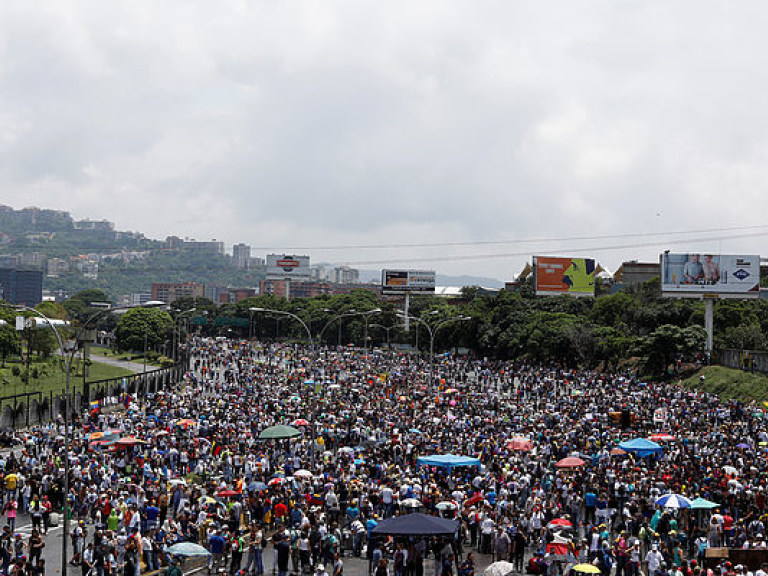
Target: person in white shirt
x=653, y=560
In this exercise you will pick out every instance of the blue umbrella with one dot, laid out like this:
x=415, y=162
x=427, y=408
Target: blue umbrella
x=257, y=487
x=187, y=549
x=641, y=446
x=673, y=501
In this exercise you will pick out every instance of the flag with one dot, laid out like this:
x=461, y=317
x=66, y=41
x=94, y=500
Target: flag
x=216, y=449
x=95, y=405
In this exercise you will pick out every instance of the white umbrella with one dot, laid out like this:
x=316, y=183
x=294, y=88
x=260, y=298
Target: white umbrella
x=178, y=481
x=673, y=501
x=410, y=503
x=446, y=505
x=730, y=470
x=500, y=568
x=302, y=474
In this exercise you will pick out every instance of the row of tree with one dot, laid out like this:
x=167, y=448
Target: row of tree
x=633, y=324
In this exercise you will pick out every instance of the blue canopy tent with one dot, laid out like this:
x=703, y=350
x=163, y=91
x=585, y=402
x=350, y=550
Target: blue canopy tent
x=416, y=525
x=448, y=461
x=641, y=447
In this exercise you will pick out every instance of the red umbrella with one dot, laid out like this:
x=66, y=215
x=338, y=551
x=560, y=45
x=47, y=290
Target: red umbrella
x=475, y=499
x=661, y=437
x=560, y=523
x=618, y=452
x=130, y=441
x=300, y=422
x=520, y=444
x=227, y=493
x=570, y=462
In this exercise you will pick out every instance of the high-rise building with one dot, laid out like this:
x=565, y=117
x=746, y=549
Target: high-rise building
x=24, y=287
x=241, y=256
x=346, y=275
x=57, y=267
x=168, y=292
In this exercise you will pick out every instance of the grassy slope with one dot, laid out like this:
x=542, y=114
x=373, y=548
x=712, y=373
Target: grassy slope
x=729, y=383
x=53, y=379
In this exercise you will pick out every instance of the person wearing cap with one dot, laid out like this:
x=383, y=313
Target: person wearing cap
x=653, y=559
x=320, y=570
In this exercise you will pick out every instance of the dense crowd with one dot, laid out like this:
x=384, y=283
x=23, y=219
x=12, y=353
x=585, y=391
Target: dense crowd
x=187, y=466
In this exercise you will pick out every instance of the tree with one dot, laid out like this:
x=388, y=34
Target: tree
x=142, y=326
x=52, y=310
x=10, y=343
x=748, y=337
x=667, y=342
x=42, y=340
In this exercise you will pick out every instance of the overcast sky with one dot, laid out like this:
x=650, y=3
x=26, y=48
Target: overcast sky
x=290, y=125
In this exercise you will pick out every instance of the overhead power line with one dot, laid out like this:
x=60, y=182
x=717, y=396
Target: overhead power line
x=511, y=241
x=566, y=250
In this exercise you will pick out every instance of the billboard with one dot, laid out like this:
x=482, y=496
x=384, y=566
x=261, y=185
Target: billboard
x=710, y=275
x=407, y=281
x=553, y=275
x=282, y=266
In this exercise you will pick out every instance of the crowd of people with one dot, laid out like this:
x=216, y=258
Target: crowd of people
x=187, y=466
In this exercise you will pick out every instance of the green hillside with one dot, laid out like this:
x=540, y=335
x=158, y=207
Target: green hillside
x=45, y=234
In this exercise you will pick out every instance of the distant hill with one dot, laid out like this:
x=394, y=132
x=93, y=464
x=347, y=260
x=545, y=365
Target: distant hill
x=93, y=254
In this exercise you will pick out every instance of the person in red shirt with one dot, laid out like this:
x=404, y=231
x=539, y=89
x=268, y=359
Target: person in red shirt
x=727, y=528
x=281, y=511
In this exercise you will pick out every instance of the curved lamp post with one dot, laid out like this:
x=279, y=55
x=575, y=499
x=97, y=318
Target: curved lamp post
x=348, y=314
x=387, y=329
x=312, y=348
x=432, y=330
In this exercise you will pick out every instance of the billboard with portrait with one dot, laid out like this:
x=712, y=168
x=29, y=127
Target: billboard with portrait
x=556, y=275
x=695, y=275
x=283, y=266
x=407, y=281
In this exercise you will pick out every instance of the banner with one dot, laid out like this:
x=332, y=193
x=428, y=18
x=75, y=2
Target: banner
x=709, y=275
x=407, y=281
x=574, y=276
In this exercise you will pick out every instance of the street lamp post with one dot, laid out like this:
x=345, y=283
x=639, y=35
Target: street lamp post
x=312, y=353
x=386, y=329
x=177, y=331
x=365, y=314
x=346, y=314
x=432, y=330
x=366, y=317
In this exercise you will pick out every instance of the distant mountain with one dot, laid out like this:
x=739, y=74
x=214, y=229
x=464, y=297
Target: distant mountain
x=442, y=280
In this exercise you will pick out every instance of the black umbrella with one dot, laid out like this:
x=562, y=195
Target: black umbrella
x=417, y=525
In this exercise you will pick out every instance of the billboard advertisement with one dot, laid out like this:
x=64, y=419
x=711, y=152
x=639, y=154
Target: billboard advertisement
x=407, y=281
x=710, y=275
x=282, y=266
x=573, y=276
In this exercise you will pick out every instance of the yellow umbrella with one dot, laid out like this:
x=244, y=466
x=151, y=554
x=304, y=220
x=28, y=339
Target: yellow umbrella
x=587, y=569
x=96, y=436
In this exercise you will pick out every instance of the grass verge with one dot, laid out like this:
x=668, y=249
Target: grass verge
x=728, y=383
x=51, y=376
